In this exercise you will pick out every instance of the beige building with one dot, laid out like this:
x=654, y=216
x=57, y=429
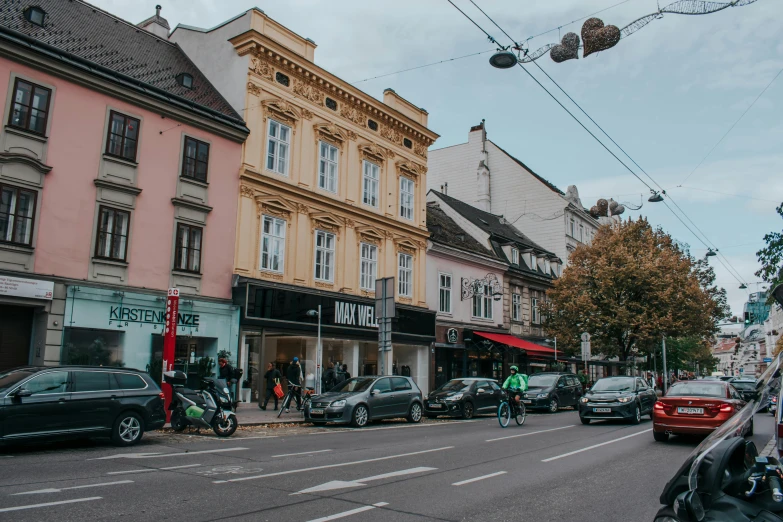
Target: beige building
x=332, y=197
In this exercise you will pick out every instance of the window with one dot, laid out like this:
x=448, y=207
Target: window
x=128, y=381
x=372, y=124
x=581, y=233
x=282, y=79
x=195, y=159
x=17, y=211
x=272, y=244
x=35, y=15
x=327, y=166
x=401, y=384
x=185, y=80
x=123, y=136
x=382, y=385
x=371, y=174
x=514, y=256
x=331, y=104
x=408, y=143
x=482, y=303
x=405, y=275
x=48, y=383
x=30, y=107
x=445, y=293
x=91, y=381
x=534, y=310
x=369, y=266
x=112, y=238
x=188, y=255
x=406, y=197
x=573, y=228
x=324, y=256
x=277, y=148
x=571, y=381
x=516, y=307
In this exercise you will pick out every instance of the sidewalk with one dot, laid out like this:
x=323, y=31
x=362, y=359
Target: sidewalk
x=249, y=414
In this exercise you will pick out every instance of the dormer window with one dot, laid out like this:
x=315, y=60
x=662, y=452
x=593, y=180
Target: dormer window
x=35, y=15
x=185, y=80
x=514, y=256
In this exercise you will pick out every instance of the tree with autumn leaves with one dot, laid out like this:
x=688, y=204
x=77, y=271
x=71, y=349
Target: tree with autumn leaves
x=628, y=289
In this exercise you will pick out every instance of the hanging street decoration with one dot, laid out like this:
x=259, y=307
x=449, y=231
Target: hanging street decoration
x=604, y=208
x=599, y=37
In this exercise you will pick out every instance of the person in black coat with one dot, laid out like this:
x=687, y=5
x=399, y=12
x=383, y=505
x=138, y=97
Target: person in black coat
x=294, y=377
x=327, y=380
x=272, y=377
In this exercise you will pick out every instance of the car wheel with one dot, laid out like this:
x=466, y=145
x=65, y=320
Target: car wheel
x=660, y=436
x=584, y=421
x=414, y=415
x=467, y=410
x=360, y=416
x=637, y=414
x=177, y=422
x=128, y=429
x=553, y=405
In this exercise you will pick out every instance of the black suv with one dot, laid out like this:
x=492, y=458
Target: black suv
x=552, y=390
x=39, y=403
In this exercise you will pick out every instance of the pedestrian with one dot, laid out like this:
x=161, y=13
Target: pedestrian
x=294, y=377
x=272, y=377
x=327, y=379
x=346, y=375
x=583, y=380
x=226, y=372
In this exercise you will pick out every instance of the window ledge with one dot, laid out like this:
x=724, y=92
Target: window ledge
x=185, y=273
x=445, y=314
x=13, y=247
x=194, y=181
x=482, y=320
x=26, y=134
x=121, y=161
x=112, y=262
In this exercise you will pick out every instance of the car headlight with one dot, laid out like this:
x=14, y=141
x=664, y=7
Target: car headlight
x=338, y=404
x=584, y=400
x=542, y=395
x=454, y=397
x=225, y=390
x=624, y=399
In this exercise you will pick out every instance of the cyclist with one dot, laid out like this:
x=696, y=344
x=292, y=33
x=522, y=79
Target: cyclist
x=517, y=383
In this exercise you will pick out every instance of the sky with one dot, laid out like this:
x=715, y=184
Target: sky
x=666, y=94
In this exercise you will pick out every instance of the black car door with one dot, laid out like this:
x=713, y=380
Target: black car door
x=95, y=399
x=576, y=389
x=481, y=393
x=38, y=407
x=564, y=394
x=644, y=395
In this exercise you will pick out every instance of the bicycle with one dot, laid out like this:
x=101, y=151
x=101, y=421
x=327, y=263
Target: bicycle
x=509, y=408
x=307, y=394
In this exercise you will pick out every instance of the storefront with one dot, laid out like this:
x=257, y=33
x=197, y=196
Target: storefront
x=104, y=327
x=276, y=328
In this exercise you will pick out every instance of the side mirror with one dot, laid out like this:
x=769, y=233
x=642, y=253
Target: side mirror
x=375, y=392
x=480, y=390
x=560, y=385
x=23, y=393
x=689, y=507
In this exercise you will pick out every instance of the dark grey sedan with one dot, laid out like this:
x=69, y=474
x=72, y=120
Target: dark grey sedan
x=363, y=399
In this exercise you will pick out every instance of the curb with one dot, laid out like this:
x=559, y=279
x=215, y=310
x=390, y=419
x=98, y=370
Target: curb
x=768, y=449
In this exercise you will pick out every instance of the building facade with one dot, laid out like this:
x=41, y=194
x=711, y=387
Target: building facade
x=118, y=182
x=332, y=197
x=482, y=174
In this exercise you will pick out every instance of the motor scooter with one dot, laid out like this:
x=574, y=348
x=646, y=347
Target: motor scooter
x=208, y=408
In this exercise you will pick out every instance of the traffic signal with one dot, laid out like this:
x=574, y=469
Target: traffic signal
x=747, y=318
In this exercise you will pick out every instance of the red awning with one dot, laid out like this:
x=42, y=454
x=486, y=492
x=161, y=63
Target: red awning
x=516, y=342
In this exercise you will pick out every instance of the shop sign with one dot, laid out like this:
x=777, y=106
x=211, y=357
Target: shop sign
x=452, y=336
x=122, y=315
x=354, y=314
x=29, y=288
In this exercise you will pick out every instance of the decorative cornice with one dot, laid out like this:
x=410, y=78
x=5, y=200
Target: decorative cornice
x=262, y=68
x=302, y=209
x=10, y=157
x=307, y=114
x=282, y=109
x=375, y=152
x=309, y=91
x=246, y=191
x=410, y=169
x=179, y=202
x=330, y=133
x=119, y=187
x=254, y=89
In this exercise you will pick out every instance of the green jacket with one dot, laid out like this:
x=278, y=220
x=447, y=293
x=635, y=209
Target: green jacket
x=516, y=382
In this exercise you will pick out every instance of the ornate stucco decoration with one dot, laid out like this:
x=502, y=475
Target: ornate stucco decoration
x=353, y=114
x=246, y=191
x=406, y=246
x=309, y=91
x=373, y=152
x=307, y=114
x=330, y=133
x=349, y=223
x=420, y=149
x=302, y=209
x=352, y=135
x=327, y=222
x=410, y=169
x=281, y=109
x=368, y=234
x=253, y=89
x=262, y=68
x=274, y=206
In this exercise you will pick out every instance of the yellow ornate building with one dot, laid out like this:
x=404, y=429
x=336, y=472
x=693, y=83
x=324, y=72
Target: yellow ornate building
x=332, y=197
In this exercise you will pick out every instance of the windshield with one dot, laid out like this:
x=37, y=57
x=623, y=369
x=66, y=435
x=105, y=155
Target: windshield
x=543, y=381
x=698, y=389
x=744, y=386
x=455, y=386
x=613, y=384
x=9, y=379
x=355, y=385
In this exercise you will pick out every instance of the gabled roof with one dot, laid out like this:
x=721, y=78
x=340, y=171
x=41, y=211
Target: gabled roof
x=91, y=34
x=549, y=184
x=445, y=231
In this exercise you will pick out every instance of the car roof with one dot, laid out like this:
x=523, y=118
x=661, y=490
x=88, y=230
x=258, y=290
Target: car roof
x=742, y=380
x=472, y=379
x=551, y=373
x=76, y=367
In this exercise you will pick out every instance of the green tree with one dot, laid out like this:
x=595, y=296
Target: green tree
x=771, y=256
x=684, y=353
x=630, y=287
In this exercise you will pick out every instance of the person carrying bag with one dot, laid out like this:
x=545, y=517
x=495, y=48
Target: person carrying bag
x=272, y=377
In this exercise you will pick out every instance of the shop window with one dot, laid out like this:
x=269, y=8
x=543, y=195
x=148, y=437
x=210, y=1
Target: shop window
x=327, y=166
x=444, y=291
x=406, y=197
x=324, y=256
x=30, y=107
x=535, y=317
x=279, y=142
x=369, y=266
x=370, y=183
x=482, y=303
x=17, y=212
x=123, y=136
x=405, y=275
x=273, y=244
x=188, y=256
x=516, y=307
x=112, y=237
x=195, y=159
x=88, y=347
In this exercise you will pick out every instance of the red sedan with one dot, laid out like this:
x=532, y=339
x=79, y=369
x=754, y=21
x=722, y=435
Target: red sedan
x=695, y=407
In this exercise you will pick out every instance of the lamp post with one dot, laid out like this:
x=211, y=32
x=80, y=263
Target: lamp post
x=318, y=350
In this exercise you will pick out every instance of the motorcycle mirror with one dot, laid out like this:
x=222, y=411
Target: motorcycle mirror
x=688, y=506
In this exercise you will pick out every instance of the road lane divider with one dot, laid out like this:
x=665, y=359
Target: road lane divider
x=531, y=433
x=401, y=427
x=329, y=466
x=85, y=486
x=483, y=477
x=303, y=453
x=596, y=446
x=149, y=470
x=48, y=504
x=343, y=484
x=349, y=513
x=162, y=455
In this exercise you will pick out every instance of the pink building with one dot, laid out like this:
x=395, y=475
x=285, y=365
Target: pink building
x=119, y=170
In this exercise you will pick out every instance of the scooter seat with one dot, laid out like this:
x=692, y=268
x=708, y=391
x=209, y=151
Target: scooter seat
x=192, y=395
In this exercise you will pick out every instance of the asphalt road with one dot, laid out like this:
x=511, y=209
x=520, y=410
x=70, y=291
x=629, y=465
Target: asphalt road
x=552, y=468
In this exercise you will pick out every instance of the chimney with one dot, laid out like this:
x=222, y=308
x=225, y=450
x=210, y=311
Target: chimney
x=483, y=199
x=156, y=25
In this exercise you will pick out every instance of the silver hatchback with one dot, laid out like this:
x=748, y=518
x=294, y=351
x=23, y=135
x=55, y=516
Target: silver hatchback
x=363, y=399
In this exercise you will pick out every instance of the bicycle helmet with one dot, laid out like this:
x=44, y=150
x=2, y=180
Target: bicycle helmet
x=515, y=368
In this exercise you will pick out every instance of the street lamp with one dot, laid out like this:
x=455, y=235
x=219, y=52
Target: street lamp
x=555, y=341
x=656, y=197
x=318, y=351
x=711, y=253
x=503, y=60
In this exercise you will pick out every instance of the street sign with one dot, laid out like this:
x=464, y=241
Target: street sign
x=452, y=335
x=586, y=350
x=384, y=298
x=169, y=342
x=767, y=359
x=585, y=337
x=742, y=370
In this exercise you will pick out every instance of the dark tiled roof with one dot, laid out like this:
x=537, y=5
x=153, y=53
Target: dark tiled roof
x=542, y=180
x=445, y=231
x=89, y=33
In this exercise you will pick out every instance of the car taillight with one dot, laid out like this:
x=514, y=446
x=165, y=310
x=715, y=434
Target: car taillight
x=658, y=406
x=162, y=395
x=726, y=408
x=662, y=406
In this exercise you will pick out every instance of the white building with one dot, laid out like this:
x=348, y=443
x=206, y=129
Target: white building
x=484, y=175
x=773, y=327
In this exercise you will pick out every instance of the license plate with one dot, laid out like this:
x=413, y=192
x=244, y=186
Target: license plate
x=691, y=411
x=527, y=402
x=602, y=410
x=316, y=411
x=436, y=406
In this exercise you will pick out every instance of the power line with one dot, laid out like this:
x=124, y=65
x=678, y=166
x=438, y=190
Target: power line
x=577, y=20
x=423, y=66
x=730, y=194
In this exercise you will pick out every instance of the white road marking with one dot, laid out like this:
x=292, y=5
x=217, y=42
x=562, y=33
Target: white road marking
x=148, y=470
x=596, y=446
x=47, y=504
x=58, y=490
x=462, y=483
x=362, y=430
x=530, y=433
x=160, y=455
x=303, y=453
x=339, y=465
x=342, y=484
x=349, y=513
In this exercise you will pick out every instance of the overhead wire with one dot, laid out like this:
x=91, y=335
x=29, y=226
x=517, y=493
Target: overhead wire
x=730, y=194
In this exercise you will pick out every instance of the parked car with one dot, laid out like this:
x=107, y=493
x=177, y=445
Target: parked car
x=38, y=403
x=745, y=387
x=627, y=398
x=363, y=399
x=464, y=398
x=696, y=407
x=551, y=390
